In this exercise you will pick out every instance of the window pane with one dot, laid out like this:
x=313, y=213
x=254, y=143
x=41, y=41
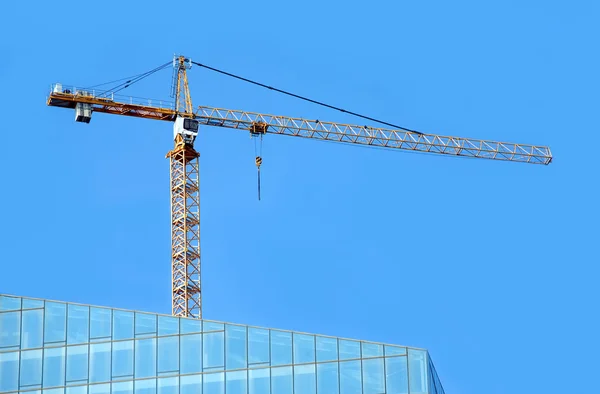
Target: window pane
x=258, y=346
x=213, y=350
x=417, y=371
x=146, y=386
x=371, y=350
x=9, y=371
x=54, y=367
x=190, y=326
x=304, y=348
x=350, y=379
x=9, y=303
x=236, y=382
x=100, y=323
x=259, y=381
x=99, y=389
x=372, y=374
x=281, y=347
x=236, y=346
x=305, y=379
x=190, y=384
x=282, y=380
x=167, y=326
x=75, y=390
x=77, y=363
x=30, y=304
x=214, y=383
x=77, y=324
x=33, y=329
x=396, y=375
x=349, y=349
x=145, y=358
x=211, y=326
x=10, y=326
x=122, y=388
x=327, y=378
x=326, y=349
x=122, y=358
x=122, y=325
x=191, y=353
x=145, y=324
x=394, y=350
x=168, y=354
x=99, y=362
x=168, y=385
x=31, y=367
x=55, y=322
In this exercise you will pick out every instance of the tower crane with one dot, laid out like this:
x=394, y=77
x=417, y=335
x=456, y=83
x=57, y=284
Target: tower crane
x=183, y=158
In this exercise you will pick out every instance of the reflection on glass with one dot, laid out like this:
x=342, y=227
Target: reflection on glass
x=31, y=304
x=9, y=371
x=258, y=346
x=168, y=325
x=99, y=362
x=31, y=367
x=305, y=381
x=417, y=371
x=396, y=375
x=373, y=376
x=76, y=390
x=51, y=391
x=54, y=367
x=282, y=380
x=122, y=325
x=213, y=350
x=100, y=319
x=99, y=389
x=259, y=381
x=349, y=349
x=371, y=350
x=235, y=337
x=8, y=303
x=33, y=329
x=55, y=322
x=327, y=378
x=190, y=326
x=214, y=383
x=326, y=349
x=145, y=358
x=191, y=353
x=10, y=326
x=77, y=363
x=122, y=388
x=190, y=384
x=168, y=385
x=394, y=350
x=304, y=348
x=236, y=382
x=281, y=347
x=145, y=324
x=350, y=377
x=122, y=358
x=77, y=324
x=168, y=354
x=212, y=326
x=146, y=386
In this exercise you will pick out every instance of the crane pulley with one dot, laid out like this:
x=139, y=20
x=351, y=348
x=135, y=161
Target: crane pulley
x=184, y=163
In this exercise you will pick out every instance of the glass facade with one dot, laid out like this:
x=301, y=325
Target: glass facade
x=49, y=347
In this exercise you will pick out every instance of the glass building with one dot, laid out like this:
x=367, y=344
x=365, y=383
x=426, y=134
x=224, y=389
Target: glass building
x=49, y=347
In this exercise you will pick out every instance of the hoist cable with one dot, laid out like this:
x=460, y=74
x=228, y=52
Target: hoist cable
x=304, y=98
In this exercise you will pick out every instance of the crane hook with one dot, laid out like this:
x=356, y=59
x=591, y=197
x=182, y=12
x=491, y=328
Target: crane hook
x=258, y=161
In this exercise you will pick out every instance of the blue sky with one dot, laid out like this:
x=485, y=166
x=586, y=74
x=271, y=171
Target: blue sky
x=491, y=266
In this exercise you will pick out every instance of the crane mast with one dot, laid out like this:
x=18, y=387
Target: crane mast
x=184, y=159
x=186, y=295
